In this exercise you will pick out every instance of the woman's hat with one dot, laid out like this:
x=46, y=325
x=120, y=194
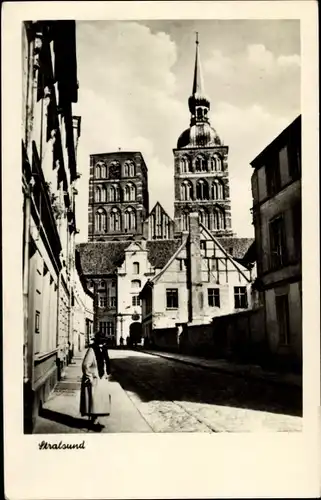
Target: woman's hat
x=99, y=337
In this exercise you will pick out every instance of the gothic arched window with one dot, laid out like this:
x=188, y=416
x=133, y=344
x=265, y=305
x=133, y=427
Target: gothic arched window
x=200, y=164
x=115, y=220
x=216, y=163
x=97, y=194
x=185, y=165
x=98, y=171
x=201, y=190
x=103, y=171
x=126, y=169
x=186, y=191
x=101, y=220
x=114, y=193
x=204, y=219
x=130, y=192
x=129, y=168
x=103, y=194
x=185, y=221
x=130, y=219
x=219, y=219
x=217, y=190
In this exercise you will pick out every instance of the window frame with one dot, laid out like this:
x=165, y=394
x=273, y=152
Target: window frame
x=215, y=296
x=172, y=298
x=240, y=292
x=277, y=259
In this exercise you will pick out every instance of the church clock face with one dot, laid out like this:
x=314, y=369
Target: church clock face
x=114, y=170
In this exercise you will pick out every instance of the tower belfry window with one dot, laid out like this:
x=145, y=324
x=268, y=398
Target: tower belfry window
x=200, y=164
x=202, y=190
x=101, y=220
x=186, y=191
x=115, y=220
x=130, y=219
x=97, y=194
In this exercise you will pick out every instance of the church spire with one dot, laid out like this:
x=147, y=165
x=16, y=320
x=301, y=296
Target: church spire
x=198, y=103
x=198, y=84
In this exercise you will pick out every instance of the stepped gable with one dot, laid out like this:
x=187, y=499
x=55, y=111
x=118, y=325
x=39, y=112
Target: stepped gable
x=105, y=257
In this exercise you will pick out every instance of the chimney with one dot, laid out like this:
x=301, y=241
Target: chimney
x=195, y=266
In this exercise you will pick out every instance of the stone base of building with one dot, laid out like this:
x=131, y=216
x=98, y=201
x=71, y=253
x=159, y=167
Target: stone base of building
x=34, y=399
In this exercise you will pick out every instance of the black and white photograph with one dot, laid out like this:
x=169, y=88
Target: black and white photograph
x=161, y=235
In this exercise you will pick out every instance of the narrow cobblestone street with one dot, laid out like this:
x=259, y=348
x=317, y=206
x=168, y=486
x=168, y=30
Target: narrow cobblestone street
x=153, y=394
x=175, y=397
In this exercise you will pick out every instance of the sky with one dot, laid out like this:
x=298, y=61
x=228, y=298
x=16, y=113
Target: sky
x=135, y=79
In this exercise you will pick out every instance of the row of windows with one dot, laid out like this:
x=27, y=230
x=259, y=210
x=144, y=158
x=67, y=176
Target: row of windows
x=107, y=328
x=107, y=302
x=135, y=283
x=129, y=169
x=115, y=193
x=203, y=192
x=201, y=164
x=115, y=222
x=215, y=221
x=213, y=297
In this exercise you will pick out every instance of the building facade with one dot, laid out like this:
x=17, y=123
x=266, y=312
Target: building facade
x=50, y=134
x=276, y=189
x=201, y=178
x=199, y=281
x=118, y=196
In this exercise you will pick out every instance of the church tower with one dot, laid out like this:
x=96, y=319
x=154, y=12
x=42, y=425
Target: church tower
x=201, y=168
x=118, y=196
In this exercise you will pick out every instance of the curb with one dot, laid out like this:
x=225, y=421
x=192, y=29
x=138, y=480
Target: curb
x=237, y=373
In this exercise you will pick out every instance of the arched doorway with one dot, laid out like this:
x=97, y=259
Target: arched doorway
x=135, y=333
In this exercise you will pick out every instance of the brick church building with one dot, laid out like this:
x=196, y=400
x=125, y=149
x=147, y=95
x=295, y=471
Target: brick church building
x=130, y=245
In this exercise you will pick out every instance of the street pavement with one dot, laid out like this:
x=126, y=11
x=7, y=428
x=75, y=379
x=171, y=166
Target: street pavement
x=155, y=393
x=61, y=415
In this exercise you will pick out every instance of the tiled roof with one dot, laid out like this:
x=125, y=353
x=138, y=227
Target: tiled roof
x=236, y=247
x=160, y=251
x=99, y=257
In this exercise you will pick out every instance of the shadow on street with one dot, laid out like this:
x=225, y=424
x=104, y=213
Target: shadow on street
x=153, y=378
x=63, y=418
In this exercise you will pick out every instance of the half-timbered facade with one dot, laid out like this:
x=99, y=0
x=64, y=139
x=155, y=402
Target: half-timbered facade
x=200, y=280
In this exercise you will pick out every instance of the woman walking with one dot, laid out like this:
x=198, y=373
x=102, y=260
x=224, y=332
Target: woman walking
x=94, y=395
